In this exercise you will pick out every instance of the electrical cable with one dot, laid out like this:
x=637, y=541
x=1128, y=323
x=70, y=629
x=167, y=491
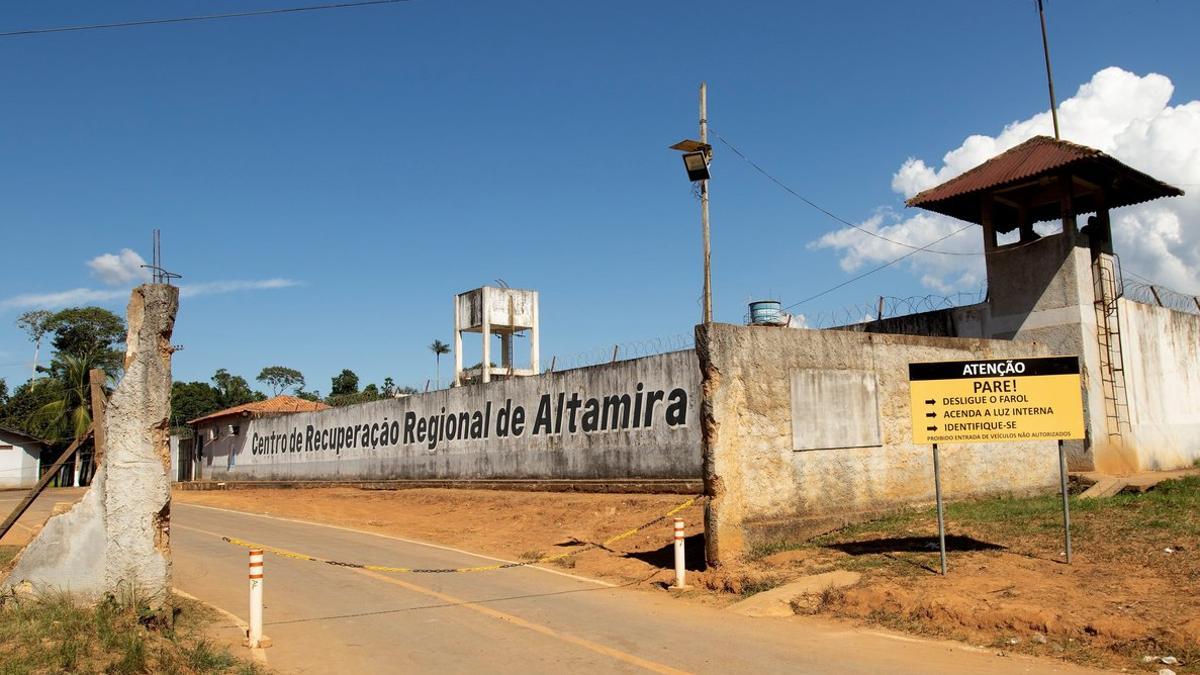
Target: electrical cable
x=825, y=211
x=202, y=17
x=872, y=271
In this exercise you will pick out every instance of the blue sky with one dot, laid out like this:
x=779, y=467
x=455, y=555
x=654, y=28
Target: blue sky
x=370, y=163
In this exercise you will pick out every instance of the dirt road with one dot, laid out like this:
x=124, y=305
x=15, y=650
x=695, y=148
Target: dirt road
x=335, y=619
x=325, y=618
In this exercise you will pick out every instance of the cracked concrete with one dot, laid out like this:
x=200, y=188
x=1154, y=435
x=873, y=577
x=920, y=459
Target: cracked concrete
x=116, y=539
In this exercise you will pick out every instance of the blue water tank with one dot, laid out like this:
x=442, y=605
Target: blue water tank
x=766, y=313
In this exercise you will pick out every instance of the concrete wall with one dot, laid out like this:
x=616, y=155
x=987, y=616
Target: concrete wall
x=116, y=539
x=762, y=489
x=20, y=462
x=392, y=439
x=1161, y=349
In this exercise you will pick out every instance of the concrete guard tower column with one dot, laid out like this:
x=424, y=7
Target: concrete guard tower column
x=506, y=312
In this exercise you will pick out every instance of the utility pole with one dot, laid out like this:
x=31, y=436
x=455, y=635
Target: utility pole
x=704, y=208
x=1049, y=75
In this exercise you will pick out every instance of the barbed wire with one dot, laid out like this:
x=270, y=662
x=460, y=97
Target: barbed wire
x=622, y=351
x=1140, y=289
x=886, y=307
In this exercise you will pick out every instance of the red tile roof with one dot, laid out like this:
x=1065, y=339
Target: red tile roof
x=279, y=405
x=1037, y=157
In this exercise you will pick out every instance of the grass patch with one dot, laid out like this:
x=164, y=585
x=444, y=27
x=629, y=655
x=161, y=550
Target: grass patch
x=7, y=553
x=54, y=633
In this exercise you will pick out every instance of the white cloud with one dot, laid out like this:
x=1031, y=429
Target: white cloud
x=214, y=287
x=1123, y=114
x=75, y=296
x=119, y=269
x=80, y=296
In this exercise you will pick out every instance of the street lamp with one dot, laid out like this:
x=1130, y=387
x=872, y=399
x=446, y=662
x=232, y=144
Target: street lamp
x=696, y=156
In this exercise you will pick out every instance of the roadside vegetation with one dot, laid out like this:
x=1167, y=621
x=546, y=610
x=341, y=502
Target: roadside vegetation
x=1128, y=600
x=52, y=634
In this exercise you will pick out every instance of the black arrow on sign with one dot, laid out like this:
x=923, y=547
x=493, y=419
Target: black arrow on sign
x=930, y=401
x=930, y=428
x=933, y=414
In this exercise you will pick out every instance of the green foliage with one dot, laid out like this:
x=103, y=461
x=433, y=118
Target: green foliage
x=17, y=412
x=280, y=379
x=193, y=400
x=345, y=382
x=438, y=348
x=36, y=323
x=308, y=395
x=233, y=389
x=3, y=393
x=80, y=331
x=69, y=413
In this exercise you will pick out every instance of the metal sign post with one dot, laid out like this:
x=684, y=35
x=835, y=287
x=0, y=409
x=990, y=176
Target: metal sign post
x=941, y=517
x=996, y=401
x=1062, y=474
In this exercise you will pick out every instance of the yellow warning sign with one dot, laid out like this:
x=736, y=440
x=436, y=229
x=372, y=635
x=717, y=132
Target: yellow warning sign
x=994, y=401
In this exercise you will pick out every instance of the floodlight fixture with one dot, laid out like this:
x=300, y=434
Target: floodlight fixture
x=696, y=164
x=696, y=156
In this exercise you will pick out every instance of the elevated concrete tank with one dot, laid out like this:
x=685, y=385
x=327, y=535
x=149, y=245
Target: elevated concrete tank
x=495, y=311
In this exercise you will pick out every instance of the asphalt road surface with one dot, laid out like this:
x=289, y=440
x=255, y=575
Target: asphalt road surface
x=329, y=619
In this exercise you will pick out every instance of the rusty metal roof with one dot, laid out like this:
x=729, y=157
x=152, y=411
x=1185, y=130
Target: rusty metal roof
x=1039, y=159
x=278, y=405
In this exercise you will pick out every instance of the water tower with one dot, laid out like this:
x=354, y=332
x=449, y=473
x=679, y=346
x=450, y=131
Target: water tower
x=495, y=311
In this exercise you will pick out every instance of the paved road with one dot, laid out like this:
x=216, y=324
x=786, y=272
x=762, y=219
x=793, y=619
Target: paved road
x=332, y=619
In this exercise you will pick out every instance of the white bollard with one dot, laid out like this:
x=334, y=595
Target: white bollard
x=255, y=636
x=680, y=564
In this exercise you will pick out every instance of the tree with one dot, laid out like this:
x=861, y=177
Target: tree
x=192, y=400
x=3, y=393
x=18, y=410
x=314, y=395
x=438, y=348
x=280, y=379
x=389, y=387
x=69, y=414
x=233, y=390
x=89, y=332
x=345, y=382
x=36, y=324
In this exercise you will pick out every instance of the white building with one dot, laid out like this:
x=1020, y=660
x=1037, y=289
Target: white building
x=20, y=458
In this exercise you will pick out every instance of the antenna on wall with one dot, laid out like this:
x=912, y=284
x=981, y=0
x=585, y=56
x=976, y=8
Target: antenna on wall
x=1049, y=75
x=158, y=274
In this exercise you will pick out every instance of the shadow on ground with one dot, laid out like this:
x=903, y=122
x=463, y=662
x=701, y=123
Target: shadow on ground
x=913, y=545
x=664, y=558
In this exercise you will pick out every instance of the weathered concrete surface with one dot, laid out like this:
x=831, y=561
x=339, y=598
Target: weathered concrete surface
x=1162, y=365
x=777, y=602
x=390, y=440
x=116, y=539
x=762, y=491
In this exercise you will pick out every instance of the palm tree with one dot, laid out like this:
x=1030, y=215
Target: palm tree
x=70, y=413
x=438, y=348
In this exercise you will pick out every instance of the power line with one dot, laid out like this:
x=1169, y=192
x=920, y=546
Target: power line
x=832, y=215
x=202, y=17
x=873, y=271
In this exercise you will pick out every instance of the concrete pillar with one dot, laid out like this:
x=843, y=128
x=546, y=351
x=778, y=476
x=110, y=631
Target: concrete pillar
x=487, y=335
x=115, y=540
x=534, y=354
x=457, y=344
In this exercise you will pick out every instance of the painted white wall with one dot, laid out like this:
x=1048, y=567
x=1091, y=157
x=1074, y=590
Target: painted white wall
x=20, y=462
x=1161, y=349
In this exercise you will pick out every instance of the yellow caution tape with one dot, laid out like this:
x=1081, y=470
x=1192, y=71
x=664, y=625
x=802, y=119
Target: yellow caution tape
x=284, y=553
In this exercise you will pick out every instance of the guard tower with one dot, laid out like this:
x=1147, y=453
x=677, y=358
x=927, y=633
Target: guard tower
x=1060, y=289
x=495, y=311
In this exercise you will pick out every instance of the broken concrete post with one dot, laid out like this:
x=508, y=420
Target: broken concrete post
x=116, y=539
